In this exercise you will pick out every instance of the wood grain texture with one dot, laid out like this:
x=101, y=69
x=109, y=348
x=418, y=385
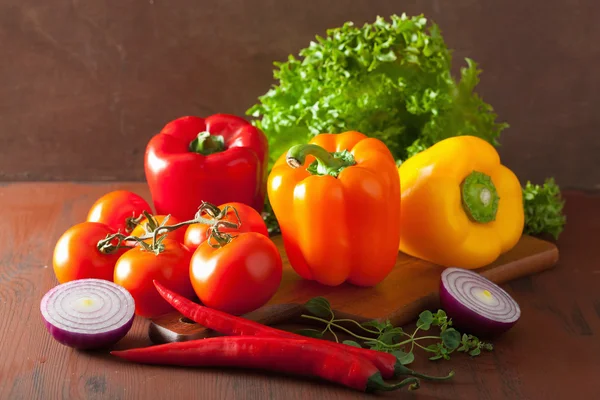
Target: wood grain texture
x=411, y=287
x=552, y=353
x=84, y=77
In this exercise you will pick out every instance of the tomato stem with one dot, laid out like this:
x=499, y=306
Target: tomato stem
x=219, y=237
x=132, y=222
x=157, y=232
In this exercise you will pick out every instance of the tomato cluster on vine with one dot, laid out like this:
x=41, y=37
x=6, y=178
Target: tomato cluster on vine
x=223, y=256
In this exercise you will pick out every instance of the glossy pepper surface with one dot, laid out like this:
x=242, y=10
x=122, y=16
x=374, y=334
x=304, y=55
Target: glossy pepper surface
x=293, y=356
x=460, y=206
x=218, y=159
x=337, y=201
x=388, y=364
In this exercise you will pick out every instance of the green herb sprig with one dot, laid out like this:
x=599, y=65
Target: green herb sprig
x=383, y=336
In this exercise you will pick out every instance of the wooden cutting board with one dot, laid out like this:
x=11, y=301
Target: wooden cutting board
x=410, y=288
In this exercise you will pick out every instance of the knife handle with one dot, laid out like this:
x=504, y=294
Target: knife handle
x=173, y=327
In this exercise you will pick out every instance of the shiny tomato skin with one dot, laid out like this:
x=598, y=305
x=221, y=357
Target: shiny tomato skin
x=137, y=268
x=251, y=221
x=114, y=208
x=76, y=255
x=238, y=277
x=177, y=234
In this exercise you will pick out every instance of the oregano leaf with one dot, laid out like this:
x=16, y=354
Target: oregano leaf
x=319, y=306
x=313, y=333
x=451, y=338
x=374, y=324
x=432, y=347
x=403, y=357
x=389, y=337
x=425, y=320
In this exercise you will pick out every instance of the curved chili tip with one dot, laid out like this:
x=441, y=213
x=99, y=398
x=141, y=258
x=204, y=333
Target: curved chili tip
x=376, y=383
x=401, y=369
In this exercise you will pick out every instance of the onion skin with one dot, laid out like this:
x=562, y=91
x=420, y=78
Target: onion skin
x=92, y=340
x=83, y=341
x=468, y=320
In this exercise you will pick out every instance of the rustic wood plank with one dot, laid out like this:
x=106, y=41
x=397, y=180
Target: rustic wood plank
x=552, y=353
x=411, y=287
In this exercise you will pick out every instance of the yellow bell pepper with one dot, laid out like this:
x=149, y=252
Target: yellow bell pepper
x=460, y=207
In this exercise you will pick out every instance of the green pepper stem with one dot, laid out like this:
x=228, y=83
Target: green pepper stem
x=400, y=369
x=206, y=144
x=326, y=163
x=479, y=197
x=376, y=382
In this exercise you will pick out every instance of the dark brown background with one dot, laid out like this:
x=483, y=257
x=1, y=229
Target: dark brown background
x=85, y=84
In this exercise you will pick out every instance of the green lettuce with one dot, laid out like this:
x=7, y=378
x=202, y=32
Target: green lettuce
x=387, y=79
x=543, y=209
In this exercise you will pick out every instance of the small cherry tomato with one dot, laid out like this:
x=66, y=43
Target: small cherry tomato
x=238, y=277
x=138, y=267
x=76, y=255
x=177, y=235
x=118, y=209
x=251, y=221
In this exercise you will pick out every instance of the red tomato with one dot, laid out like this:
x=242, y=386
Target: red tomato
x=116, y=208
x=137, y=268
x=177, y=234
x=238, y=277
x=76, y=255
x=250, y=218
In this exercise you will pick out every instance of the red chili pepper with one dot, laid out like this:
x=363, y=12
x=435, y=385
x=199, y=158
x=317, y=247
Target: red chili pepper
x=295, y=356
x=218, y=159
x=228, y=324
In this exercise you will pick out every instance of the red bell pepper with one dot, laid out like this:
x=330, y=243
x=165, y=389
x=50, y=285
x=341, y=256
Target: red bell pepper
x=218, y=159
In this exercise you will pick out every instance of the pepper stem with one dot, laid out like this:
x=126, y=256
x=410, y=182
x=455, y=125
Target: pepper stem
x=325, y=163
x=206, y=144
x=479, y=197
x=401, y=369
x=376, y=382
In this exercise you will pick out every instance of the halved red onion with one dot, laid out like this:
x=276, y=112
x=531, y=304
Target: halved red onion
x=88, y=313
x=476, y=304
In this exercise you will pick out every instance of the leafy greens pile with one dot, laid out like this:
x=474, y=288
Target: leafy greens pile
x=389, y=80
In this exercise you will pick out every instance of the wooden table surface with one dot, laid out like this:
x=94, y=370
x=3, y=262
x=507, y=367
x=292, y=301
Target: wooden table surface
x=552, y=353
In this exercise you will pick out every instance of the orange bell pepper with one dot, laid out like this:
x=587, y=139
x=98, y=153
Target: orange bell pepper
x=460, y=206
x=337, y=201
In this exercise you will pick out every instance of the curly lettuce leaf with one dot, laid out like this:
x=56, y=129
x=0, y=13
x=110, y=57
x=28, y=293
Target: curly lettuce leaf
x=389, y=80
x=543, y=209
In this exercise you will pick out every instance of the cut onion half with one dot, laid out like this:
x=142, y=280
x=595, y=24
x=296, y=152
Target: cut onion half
x=88, y=313
x=477, y=305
